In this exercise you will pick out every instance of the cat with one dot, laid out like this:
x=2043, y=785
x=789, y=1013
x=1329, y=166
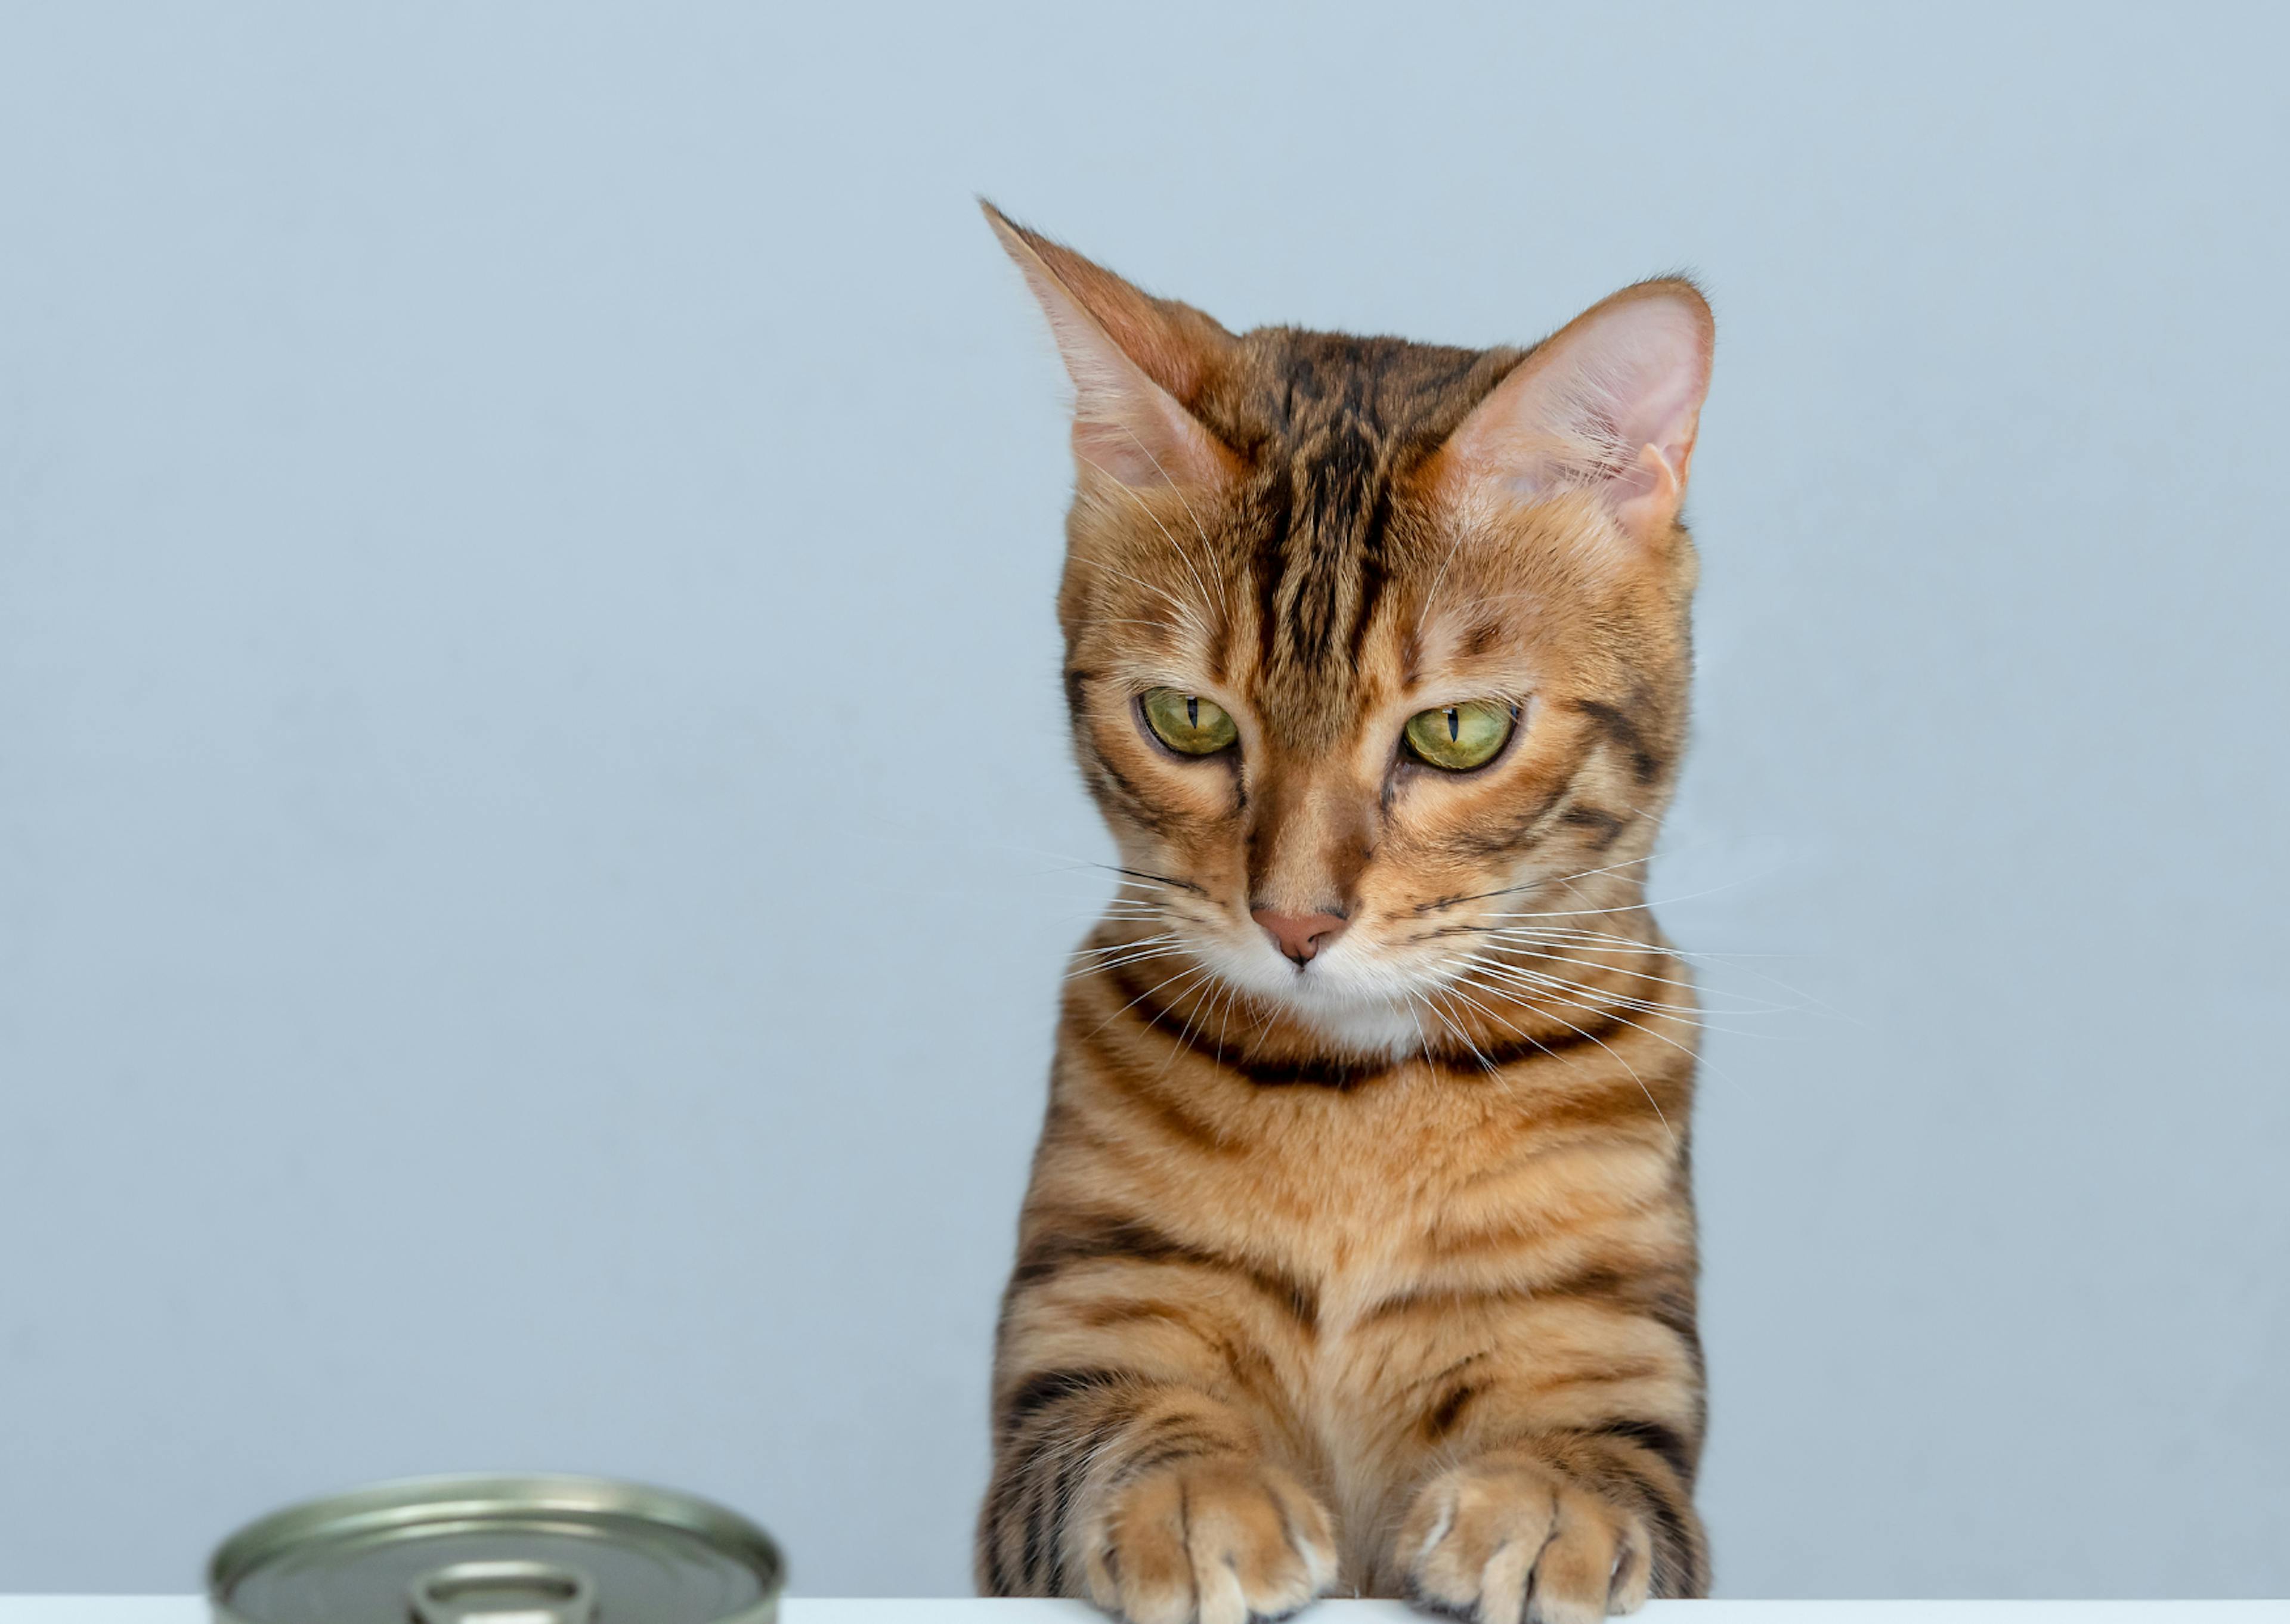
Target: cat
x=1359, y=1249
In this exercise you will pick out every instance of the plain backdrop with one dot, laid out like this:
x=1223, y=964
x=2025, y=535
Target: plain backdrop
x=536, y=841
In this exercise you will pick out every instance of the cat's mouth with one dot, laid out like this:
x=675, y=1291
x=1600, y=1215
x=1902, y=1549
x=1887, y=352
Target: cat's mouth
x=1345, y=990
x=1353, y=1013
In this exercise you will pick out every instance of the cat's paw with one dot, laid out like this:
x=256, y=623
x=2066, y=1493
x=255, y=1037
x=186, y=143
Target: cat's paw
x=1507, y=1540
x=1209, y=1541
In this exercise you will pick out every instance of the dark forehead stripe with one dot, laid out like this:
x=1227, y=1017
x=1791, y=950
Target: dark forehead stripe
x=1334, y=421
x=1318, y=584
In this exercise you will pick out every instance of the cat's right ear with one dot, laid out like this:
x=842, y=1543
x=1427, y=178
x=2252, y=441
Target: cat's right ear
x=1133, y=360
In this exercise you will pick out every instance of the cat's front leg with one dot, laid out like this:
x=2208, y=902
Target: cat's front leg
x=1149, y=1498
x=1557, y=1530
x=1216, y=1540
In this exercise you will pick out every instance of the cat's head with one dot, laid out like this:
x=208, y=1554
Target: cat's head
x=1375, y=649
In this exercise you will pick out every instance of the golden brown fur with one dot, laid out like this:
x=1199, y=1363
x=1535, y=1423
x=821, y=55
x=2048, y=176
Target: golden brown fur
x=1373, y=1273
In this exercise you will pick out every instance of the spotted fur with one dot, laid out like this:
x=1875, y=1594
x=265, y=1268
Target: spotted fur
x=1375, y=1273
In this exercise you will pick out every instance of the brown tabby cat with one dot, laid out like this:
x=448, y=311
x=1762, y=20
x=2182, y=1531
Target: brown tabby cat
x=1359, y=1251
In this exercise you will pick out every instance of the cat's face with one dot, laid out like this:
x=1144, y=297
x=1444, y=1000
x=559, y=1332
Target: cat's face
x=1372, y=649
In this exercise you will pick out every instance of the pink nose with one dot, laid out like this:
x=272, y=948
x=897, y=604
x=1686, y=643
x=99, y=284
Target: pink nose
x=1299, y=935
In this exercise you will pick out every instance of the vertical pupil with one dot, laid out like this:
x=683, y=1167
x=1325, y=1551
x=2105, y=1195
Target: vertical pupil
x=1192, y=710
x=1454, y=726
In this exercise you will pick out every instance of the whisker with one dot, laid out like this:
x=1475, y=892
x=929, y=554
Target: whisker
x=1231, y=996
x=1542, y=952
x=1549, y=1052
x=1652, y=1006
x=1126, y=947
x=1224, y=601
x=1109, y=965
x=1185, y=611
x=1627, y=907
x=1731, y=962
x=1158, y=879
x=1444, y=903
x=1660, y=1116
x=1595, y=999
x=1567, y=1060
x=1422, y=1042
x=1574, y=936
x=1184, y=1035
x=1538, y=1004
x=1456, y=1027
x=1141, y=998
x=1604, y=1002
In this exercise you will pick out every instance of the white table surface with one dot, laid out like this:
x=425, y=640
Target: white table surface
x=812, y=1609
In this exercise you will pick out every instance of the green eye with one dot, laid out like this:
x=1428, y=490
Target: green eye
x=1188, y=723
x=1460, y=737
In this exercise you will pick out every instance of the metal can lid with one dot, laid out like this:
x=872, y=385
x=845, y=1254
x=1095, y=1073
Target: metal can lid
x=499, y=1550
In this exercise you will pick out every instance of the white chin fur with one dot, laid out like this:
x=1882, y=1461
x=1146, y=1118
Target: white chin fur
x=1350, y=1002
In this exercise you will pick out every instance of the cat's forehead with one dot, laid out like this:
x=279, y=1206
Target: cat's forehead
x=1280, y=391
x=1333, y=544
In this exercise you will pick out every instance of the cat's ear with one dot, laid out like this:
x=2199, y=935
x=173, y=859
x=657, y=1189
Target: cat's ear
x=1608, y=405
x=1134, y=361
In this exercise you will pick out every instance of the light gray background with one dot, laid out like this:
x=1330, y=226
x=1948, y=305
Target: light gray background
x=533, y=819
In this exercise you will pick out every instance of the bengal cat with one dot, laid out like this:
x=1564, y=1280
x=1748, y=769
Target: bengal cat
x=1359, y=1250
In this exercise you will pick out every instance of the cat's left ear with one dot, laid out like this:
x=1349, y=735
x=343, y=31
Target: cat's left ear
x=1609, y=404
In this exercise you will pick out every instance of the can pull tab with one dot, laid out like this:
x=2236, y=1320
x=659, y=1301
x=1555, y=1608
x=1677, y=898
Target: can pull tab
x=504, y=1593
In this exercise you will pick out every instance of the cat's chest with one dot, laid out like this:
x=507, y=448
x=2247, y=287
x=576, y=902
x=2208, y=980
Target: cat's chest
x=1362, y=1205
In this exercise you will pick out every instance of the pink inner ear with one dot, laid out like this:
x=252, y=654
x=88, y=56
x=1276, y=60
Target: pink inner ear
x=1126, y=426
x=1121, y=451
x=1667, y=402
x=1579, y=413
x=1130, y=429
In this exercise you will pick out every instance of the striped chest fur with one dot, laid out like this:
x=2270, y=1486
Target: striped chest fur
x=1358, y=1263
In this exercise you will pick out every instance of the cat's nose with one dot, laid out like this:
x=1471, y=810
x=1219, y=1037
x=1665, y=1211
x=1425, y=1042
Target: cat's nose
x=1299, y=935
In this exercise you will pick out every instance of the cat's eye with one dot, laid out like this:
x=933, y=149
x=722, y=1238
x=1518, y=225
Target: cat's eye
x=1458, y=738
x=1186, y=723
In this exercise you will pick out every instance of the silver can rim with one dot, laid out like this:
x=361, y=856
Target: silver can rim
x=410, y=1502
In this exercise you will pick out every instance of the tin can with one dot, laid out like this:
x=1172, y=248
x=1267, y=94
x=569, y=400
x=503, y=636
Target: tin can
x=499, y=1550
